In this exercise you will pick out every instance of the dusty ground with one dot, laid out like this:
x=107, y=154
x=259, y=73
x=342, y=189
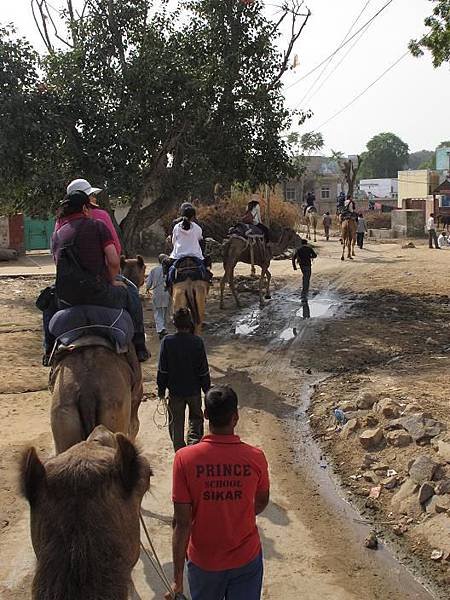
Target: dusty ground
x=313, y=540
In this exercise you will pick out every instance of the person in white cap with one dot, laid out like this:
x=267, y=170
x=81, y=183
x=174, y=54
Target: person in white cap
x=82, y=185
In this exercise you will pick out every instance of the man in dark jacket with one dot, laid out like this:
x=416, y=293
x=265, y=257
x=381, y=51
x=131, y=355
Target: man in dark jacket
x=304, y=256
x=183, y=370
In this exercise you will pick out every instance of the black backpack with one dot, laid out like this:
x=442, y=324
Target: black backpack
x=74, y=284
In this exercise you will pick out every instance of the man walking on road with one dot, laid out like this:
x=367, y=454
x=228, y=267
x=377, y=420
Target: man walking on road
x=156, y=283
x=326, y=225
x=219, y=486
x=183, y=370
x=432, y=237
x=304, y=256
x=361, y=230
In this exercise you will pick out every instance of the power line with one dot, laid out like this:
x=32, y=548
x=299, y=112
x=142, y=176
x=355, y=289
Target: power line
x=325, y=67
x=341, y=46
x=394, y=64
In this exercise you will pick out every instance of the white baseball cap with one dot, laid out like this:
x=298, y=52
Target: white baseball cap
x=82, y=185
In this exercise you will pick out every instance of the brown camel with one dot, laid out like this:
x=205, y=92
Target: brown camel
x=191, y=294
x=348, y=237
x=237, y=249
x=94, y=386
x=85, y=506
x=311, y=222
x=133, y=269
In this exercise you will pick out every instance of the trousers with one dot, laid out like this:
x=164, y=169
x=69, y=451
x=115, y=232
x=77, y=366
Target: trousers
x=360, y=239
x=306, y=271
x=177, y=409
x=160, y=314
x=432, y=237
x=242, y=583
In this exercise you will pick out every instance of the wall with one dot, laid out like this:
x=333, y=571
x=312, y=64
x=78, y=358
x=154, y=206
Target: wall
x=380, y=188
x=408, y=223
x=416, y=184
x=12, y=233
x=443, y=159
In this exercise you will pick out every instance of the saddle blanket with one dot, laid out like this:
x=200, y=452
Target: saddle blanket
x=114, y=324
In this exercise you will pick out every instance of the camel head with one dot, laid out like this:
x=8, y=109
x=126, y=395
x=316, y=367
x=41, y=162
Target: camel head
x=133, y=269
x=287, y=239
x=85, y=507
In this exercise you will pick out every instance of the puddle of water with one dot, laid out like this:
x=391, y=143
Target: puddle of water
x=245, y=329
x=316, y=307
x=288, y=334
x=248, y=324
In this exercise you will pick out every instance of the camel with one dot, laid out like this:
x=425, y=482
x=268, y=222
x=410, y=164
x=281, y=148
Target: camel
x=191, y=294
x=85, y=505
x=94, y=386
x=133, y=269
x=236, y=249
x=348, y=237
x=311, y=222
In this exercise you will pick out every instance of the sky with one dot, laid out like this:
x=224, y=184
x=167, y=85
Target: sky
x=411, y=100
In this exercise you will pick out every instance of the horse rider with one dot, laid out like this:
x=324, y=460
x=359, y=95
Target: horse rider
x=340, y=203
x=309, y=202
x=252, y=216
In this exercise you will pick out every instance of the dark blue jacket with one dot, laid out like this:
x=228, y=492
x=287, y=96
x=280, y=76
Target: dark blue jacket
x=183, y=366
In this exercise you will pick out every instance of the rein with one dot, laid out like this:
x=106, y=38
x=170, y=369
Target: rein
x=156, y=563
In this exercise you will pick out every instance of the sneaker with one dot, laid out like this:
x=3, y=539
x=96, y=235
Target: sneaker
x=162, y=334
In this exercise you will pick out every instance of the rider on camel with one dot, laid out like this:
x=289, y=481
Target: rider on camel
x=309, y=202
x=253, y=217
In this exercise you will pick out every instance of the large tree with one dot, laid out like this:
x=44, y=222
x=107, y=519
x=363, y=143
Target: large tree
x=158, y=106
x=437, y=39
x=386, y=154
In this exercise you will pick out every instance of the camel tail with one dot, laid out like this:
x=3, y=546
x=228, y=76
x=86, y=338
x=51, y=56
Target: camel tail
x=191, y=299
x=87, y=409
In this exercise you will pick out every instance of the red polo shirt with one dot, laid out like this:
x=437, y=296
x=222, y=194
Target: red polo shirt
x=219, y=477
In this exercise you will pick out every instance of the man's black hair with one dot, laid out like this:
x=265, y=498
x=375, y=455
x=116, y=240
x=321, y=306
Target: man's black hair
x=182, y=320
x=73, y=204
x=304, y=242
x=221, y=403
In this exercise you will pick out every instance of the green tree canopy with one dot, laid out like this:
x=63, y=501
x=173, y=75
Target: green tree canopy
x=386, y=155
x=437, y=39
x=159, y=106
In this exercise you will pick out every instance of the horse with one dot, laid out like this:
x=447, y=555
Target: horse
x=237, y=249
x=311, y=222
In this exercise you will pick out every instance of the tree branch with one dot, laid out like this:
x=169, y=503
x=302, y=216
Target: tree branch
x=42, y=25
x=296, y=32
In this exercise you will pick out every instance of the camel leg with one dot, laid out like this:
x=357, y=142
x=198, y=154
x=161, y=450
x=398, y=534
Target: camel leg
x=353, y=246
x=261, y=281
x=315, y=232
x=232, y=288
x=268, y=278
x=343, y=242
x=349, y=248
x=222, y=287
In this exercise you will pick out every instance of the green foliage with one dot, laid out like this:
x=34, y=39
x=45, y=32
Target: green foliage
x=386, y=155
x=302, y=147
x=417, y=160
x=437, y=39
x=155, y=106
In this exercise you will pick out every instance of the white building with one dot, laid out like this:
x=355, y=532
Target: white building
x=379, y=188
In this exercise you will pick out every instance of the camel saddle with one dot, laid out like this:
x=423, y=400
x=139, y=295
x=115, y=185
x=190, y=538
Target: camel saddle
x=188, y=267
x=246, y=232
x=88, y=325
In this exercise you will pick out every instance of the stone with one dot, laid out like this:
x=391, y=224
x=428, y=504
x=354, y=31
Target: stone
x=389, y=483
x=411, y=507
x=435, y=531
x=422, y=469
x=442, y=504
x=388, y=408
x=371, y=438
x=443, y=450
x=370, y=421
x=366, y=400
x=407, y=490
x=371, y=541
x=350, y=427
x=398, y=438
x=426, y=492
x=380, y=468
x=420, y=427
x=443, y=487
x=348, y=406
x=412, y=407
x=371, y=477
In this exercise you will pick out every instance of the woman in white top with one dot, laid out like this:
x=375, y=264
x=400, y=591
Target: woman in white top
x=186, y=236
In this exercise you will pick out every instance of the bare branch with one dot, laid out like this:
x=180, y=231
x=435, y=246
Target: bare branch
x=55, y=29
x=41, y=23
x=296, y=31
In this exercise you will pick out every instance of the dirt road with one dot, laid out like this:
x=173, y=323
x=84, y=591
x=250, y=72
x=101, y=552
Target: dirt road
x=313, y=540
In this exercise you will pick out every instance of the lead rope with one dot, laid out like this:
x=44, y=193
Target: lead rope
x=156, y=563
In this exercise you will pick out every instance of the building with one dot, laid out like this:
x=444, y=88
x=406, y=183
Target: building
x=416, y=184
x=379, y=188
x=443, y=159
x=322, y=177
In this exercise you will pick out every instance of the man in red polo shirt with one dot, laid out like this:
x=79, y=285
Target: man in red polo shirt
x=219, y=486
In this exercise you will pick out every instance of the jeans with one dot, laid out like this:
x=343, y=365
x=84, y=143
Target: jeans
x=242, y=583
x=306, y=271
x=432, y=237
x=177, y=409
x=360, y=239
x=326, y=229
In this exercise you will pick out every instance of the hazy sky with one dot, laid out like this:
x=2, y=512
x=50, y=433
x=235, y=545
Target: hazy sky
x=412, y=100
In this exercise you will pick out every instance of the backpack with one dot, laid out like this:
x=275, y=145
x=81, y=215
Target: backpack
x=74, y=284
